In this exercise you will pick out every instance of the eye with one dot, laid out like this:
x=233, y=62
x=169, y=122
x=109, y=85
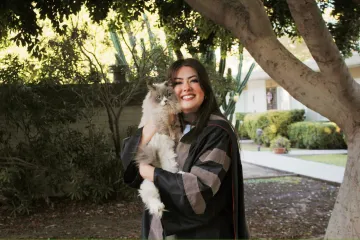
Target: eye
x=169, y=94
x=194, y=80
x=177, y=83
x=158, y=97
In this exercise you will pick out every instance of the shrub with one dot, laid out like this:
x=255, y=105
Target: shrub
x=42, y=157
x=272, y=123
x=240, y=116
x=64, y=163
x=316, y=135
x=280, y=142
x=239, y=125
x=254, y=121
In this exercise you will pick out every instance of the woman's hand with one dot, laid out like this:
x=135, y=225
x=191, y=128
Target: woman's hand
x=146, y=171
x=147, y=133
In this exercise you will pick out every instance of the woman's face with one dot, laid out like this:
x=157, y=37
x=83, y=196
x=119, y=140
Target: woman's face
x=187, y=89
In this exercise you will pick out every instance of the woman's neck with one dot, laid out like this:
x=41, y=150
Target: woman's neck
x=190, y=118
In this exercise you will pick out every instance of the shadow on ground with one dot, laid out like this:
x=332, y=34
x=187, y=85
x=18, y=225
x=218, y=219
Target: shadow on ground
x=276, y=207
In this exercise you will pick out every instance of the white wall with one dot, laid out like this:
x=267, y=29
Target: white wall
x=242, y=103
x=256, y=96
x=283, y=99
x=295, y=104
x=254, y=100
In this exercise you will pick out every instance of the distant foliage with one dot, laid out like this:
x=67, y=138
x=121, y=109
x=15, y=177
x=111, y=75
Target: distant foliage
x=42, y=157
x=316, y=135
x=273, y=123
x=239, y=125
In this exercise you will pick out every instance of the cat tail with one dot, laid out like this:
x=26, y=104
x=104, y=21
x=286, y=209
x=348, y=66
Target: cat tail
x=146, y=154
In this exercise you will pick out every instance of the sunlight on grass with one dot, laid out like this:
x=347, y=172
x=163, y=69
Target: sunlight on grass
x=333, y=159
x=252, y=147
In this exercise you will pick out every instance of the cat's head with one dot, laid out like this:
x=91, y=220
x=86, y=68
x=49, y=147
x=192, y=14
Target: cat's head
x=162, y=93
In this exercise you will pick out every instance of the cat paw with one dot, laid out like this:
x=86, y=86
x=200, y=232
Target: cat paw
x=156, y=209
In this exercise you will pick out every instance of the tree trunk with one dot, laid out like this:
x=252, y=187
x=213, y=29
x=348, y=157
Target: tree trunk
x=345, y=219
x=332, y=92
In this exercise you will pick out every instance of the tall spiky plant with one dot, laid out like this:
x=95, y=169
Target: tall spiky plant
x=121, y=65
x=152, y=38
x=229, y=106
x=119, y=55
x=132, y=38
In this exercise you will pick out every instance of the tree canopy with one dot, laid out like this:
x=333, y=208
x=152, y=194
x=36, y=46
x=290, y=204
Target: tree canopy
x=183, y=25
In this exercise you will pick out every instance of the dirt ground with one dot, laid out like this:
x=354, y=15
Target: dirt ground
x=283, y=207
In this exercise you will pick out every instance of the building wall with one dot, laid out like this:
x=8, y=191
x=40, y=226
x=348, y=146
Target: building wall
x=130, y=116
x=256, y=96
x=355, y=72
x=283, y=99
x=242, y=103
x=287, y=102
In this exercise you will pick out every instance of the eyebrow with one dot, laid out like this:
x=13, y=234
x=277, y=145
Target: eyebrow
x=187, y=78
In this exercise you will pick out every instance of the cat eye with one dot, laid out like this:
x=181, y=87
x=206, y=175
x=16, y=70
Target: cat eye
x=158, y=97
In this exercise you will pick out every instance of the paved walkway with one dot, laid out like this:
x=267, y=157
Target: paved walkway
x=315, y=152
x=290, y=164
x=251, y=171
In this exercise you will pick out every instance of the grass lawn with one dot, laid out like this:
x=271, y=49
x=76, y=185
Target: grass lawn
x=334, y=159
x=252, y=147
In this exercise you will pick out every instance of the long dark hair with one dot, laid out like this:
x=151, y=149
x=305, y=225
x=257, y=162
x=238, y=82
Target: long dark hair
x=209, y=105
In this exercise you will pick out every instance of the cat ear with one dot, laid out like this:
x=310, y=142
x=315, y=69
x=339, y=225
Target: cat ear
x=150, y=86
x=168, y=84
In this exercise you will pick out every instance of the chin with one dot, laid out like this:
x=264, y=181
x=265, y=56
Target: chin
x=188, y=110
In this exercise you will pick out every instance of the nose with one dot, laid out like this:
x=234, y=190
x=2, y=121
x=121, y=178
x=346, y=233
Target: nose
x=186, y=86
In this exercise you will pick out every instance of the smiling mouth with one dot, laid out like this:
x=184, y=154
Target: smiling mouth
x=188, y=97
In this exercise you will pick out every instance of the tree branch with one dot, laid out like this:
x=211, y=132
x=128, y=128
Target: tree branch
x=248, y=21
x=318, y=39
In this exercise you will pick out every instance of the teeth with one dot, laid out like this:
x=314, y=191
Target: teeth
x=188, y=97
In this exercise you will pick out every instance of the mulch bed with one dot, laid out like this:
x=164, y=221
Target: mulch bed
x=284, y=207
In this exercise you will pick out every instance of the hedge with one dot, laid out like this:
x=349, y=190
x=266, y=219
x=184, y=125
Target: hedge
x=273, y=123
x=316, y=135
x=240, y=116
x=240, y=127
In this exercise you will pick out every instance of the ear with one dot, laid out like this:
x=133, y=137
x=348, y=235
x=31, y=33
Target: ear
x=150, y=85
x=169, y=84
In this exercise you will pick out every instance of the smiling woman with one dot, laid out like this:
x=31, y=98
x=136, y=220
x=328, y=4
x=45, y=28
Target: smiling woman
x=206, y=199
x=188, y=90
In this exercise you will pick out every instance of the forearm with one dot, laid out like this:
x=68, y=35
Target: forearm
x=147, y=171
x=147, y=133
x=128, y=151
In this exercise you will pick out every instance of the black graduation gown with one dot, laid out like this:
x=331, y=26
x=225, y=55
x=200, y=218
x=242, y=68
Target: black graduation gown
x=224, y=216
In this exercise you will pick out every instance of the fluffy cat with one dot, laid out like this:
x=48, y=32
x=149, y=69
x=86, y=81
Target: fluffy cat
x=159, y=105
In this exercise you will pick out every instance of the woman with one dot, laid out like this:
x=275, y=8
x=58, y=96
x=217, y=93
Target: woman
x=207, y=201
